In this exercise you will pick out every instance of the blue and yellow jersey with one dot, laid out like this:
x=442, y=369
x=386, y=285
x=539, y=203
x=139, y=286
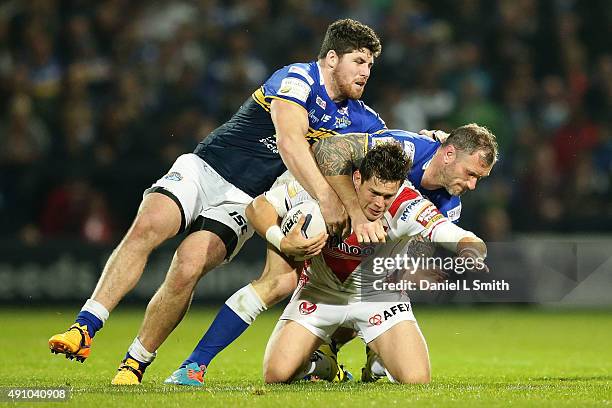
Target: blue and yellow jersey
x=244, y=151
x=421, y=149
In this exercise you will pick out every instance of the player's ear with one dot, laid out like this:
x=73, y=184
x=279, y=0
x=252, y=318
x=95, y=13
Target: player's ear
x=356, y=179
x=450, y=154
x=331, y=58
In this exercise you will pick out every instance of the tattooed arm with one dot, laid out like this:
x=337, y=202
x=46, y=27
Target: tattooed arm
x=340, y=155
x=337, y=157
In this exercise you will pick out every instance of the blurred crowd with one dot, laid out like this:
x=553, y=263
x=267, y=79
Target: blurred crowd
x=99, y=97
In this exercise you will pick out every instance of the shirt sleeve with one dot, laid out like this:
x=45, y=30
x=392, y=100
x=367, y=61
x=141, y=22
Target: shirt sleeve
x=293, y=86
x=374, y=122
x=279, y=198
x=285, y=196
x=414, y=215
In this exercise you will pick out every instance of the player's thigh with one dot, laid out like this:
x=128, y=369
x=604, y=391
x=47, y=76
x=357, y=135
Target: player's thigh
x=403, y=351
x=198, y=253
x=177, y=198
x=158, y=219
x=288, y=349
x=279, y=277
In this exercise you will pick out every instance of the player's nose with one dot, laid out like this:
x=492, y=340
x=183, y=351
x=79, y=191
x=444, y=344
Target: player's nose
x=471, y=184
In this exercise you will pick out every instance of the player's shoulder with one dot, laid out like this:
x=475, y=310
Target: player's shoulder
x=405, y=135
x=367, y=118
x=407, y=193
x=416, y=146
x=305, y=71
x=358, y=107
x=451, y=208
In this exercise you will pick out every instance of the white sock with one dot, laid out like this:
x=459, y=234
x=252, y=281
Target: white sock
x=96, y=309
x=377, y=368
x=319, y=365
x=246, y=303
x=390, y=377
x=140, y=353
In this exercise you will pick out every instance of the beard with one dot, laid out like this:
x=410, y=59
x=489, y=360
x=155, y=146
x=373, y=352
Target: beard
x=347, y=88
x=452, y=188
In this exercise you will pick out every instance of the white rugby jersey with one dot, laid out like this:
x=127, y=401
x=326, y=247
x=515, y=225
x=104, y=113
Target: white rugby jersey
x=344, y=272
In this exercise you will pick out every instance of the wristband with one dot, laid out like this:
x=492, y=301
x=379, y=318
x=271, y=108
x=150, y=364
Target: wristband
x=274, y=236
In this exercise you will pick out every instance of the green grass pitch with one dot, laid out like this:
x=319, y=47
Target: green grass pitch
x=480, y=357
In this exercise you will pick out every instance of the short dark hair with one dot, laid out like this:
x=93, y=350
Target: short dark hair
x=386, y=161
x=346, y=35
x=472, y=138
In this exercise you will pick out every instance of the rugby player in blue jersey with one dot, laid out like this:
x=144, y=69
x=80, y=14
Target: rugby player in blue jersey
x=441, y=171
x=206, y=192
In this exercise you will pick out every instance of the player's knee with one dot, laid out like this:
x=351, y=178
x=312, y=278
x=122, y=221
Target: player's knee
x=186, y=270
x=147, y=231
x=275, y=374
x=413, y=377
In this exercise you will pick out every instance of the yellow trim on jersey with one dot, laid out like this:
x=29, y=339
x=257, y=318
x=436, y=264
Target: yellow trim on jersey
x=259, y=97
x=285, y=100
x=321, y=133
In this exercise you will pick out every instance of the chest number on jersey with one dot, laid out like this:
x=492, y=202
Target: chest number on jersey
x=242, y=223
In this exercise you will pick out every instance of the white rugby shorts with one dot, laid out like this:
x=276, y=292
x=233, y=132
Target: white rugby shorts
x=369, y=319
x=207, y=201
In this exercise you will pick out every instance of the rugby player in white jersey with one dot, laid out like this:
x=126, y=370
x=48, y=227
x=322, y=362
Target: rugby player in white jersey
x=339, y=287
x=441, y=171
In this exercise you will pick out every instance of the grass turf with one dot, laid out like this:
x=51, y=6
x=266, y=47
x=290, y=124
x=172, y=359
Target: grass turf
x=480, y=357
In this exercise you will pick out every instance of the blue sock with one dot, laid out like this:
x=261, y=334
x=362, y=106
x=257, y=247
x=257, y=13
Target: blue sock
x=226, y=328
x=91, y=321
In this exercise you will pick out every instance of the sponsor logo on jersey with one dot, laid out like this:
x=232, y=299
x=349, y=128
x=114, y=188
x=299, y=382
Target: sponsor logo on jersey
x=377, y=319
x=174, y=176
x=342, y=122
x=321, y=102
x=270, y=143
x=312, y=117
x=303, y=279
x=343, y=111
x=428, y=216
x=294, y=88
x=325, y=118
x=351, y=248
x=410, y=207
x=307, y=308
x=454, y=213
x=355, y=250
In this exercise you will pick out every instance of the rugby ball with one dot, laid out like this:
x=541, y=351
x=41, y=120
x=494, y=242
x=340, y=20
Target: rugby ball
x=314, y=224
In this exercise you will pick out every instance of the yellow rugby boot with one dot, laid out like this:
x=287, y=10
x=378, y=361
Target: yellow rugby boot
x=129, y=373
x=75, y=343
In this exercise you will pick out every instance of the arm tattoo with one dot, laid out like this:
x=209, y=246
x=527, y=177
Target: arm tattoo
x=338, y=155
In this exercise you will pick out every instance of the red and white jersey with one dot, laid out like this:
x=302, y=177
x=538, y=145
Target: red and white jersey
x=345, y=271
